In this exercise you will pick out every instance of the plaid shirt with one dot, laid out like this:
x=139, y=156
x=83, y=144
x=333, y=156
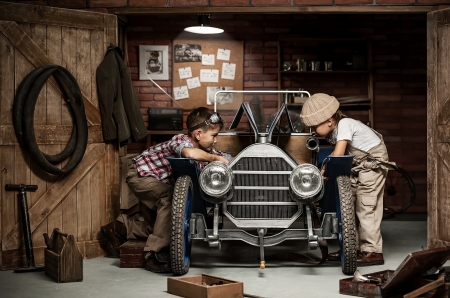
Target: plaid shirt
x=153, y=161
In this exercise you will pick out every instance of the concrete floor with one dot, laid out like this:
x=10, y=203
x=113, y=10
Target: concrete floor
x=102, y=277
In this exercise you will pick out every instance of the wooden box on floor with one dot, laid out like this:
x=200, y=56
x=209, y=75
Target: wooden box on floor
x=205, y=286
x=132, y=254
x=63, y=260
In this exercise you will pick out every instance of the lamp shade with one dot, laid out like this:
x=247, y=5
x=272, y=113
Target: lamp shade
x=203, y=26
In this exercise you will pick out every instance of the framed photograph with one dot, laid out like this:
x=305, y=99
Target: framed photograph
x=153, y=62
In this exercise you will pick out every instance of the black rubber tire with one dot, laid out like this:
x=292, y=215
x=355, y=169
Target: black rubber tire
x=347, y=225
x=180, y=241
x=399, y=192
x=23, y=117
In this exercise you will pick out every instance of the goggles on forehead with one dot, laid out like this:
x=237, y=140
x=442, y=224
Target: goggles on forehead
x=213, y=119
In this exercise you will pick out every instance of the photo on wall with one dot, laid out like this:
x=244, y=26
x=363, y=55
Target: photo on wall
x=222, y=98
x=188, y=53
x=153, y=62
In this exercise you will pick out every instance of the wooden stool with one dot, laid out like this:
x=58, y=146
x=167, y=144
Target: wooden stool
x=132, y=254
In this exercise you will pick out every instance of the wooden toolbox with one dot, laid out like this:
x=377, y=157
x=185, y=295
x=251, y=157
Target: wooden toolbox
x=63, y=260
x=132, y=254
x=415, y=276
x=205, y=286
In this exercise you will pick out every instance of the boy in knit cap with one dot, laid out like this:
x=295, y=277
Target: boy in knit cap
x=351, y=137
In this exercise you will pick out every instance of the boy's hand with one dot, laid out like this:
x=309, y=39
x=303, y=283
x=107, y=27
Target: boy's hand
x=322, y=171
x=222, y=159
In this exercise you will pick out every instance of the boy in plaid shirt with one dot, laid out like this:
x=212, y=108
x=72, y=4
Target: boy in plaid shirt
x=150, y=179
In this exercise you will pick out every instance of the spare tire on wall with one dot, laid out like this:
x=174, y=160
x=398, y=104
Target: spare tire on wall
x=23, y=118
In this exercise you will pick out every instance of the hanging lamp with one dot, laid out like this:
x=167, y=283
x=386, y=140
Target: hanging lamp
x=203, y=26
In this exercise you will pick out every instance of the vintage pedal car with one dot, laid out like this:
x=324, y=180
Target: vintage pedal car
x=263, y=191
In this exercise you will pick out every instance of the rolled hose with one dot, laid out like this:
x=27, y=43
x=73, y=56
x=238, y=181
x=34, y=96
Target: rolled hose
x=23, y=117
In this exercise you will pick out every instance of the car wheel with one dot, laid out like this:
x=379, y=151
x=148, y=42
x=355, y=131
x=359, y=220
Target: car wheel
x=347, y=227
x=180, y=242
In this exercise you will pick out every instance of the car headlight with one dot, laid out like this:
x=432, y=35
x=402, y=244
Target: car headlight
x=216, y=179
x=306, y=181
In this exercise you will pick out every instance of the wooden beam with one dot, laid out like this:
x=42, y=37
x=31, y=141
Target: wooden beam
x=372, y=9
x=50, y=134
x=54, y=195
x=443, y=150
x=37, y=57
x=444, y=113
x=51, y=16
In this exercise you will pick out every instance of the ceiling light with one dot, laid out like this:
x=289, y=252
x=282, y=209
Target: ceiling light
x=203, y=26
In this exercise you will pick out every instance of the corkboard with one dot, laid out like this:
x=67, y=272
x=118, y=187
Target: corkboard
x=192, y=58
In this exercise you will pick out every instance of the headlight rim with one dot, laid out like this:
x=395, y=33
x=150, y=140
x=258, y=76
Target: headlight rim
x=227, y=171
x=294, y=190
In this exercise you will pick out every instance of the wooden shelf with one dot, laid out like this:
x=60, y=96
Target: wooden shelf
x=294, y=72
x=339, y=51
x=342, y=105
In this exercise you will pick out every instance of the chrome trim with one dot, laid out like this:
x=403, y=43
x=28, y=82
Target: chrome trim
x=263, y=172
x=262, y=203
x=263, y=187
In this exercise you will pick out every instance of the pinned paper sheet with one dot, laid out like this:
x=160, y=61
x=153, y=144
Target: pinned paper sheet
x=185, y=72
x=208, y=59
x=180, y=92
x=228, y=71
x=193, y=83
x=223, y=54
x=209, y=75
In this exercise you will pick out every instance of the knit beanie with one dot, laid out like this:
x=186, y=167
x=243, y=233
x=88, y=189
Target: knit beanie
x=318, y=108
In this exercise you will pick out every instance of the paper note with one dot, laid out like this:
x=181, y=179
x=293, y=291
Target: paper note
x=185, y=72
x=223, y=54
x=180, y=92
x=193, y=83
x=228, y=71
x=209, y=75
x=208, y=59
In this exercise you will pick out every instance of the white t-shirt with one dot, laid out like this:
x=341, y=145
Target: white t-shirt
x=356, y=133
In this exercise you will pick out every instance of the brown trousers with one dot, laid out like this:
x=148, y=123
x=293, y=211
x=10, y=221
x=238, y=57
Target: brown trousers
x=368, y=178
x=155, y=198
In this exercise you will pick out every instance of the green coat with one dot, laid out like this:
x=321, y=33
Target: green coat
x=119, y=107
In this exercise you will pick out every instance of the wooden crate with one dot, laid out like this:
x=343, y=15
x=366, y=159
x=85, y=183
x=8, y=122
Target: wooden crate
x=132, y=254
x=205, y=286
x=63, y=260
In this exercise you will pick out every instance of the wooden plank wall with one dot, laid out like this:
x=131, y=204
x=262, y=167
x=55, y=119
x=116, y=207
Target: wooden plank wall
x=80, y=202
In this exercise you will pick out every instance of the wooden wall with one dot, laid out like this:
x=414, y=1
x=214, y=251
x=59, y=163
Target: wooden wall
x=79, y=202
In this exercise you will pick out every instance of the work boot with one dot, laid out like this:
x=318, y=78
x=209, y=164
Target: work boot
x=334, y=256
x=115, y=234
x=369, y=259
x=154, y=265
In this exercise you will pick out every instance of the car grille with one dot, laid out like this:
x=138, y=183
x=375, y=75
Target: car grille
x=258, y=195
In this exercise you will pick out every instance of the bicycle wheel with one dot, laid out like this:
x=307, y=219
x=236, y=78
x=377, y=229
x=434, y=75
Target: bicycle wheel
x=399, y=192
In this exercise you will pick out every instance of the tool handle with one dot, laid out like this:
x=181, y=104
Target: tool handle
x=21, y=187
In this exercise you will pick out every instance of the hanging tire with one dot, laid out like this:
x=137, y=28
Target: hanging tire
x=23, y=118
x=347, y=227
x=180, y=242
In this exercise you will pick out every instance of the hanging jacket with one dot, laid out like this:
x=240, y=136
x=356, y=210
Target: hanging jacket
x=119, y=108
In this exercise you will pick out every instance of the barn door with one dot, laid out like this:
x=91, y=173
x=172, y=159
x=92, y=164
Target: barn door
x=80, y=202
x=438, y=110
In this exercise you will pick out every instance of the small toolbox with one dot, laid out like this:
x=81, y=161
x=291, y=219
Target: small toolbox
x=205, y=286
x=63, y=260
x=165, y=119
x=413, y=275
